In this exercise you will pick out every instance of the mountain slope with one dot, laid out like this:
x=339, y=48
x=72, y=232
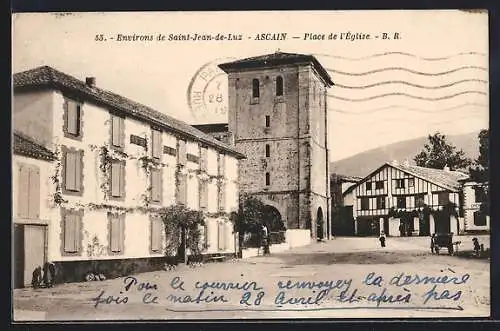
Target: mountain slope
x=363, y=163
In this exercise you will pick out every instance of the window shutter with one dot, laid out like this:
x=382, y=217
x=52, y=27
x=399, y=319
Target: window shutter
x=203, y=194
x=156, y=148
x=181, y=150
x=34, y=193
x=71, y=171
x=220, y=230
x=116, y=130
x=122, y=179
x=207, y=234
x=77, y=219
x=155, y=234
x=121, y=233
x=181, y=190
x=70, y=233
x=203, y=158
x=115, y=233
x=72, y=112
x=115, y=179
x=156, y=185
x=78, y=170
x=23, y=189
x=227, y=234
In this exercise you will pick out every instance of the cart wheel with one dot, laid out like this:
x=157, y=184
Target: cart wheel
x=437, y=250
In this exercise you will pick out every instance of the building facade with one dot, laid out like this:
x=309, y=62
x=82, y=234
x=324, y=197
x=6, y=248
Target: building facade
x=405, y=200
x=475, y=218
x=278, y=119
x=116, y=163
x=342, y=205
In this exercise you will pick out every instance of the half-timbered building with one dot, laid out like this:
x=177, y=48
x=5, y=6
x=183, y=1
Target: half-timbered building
x=405, y=200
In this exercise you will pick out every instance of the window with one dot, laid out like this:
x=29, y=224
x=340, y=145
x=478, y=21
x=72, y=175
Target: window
x=116, y=232
x=268, y=121
x=255, y=88
x=379, y=185
x=401, y=202
x=220, y=236
x=443, y=198
x=268, y=151
x=279, y=86
x=156, y=231
x=203, y=194
x=479, y=218
x=28, y=202
x=419, y=200
x=369, y=186
x=400, y=183
x=72, y=125
x=117, y=131
x=181, y=152
x=72, y=234
x=117, y=179
x=221, y=196
x=73, y=171
x=411, y=182
x=156, y=187
x=380, y=202
x=268, y=179
x=156, y=144
x=203, y=159
x=365, y=203
x=479, y=194
x=181, y=192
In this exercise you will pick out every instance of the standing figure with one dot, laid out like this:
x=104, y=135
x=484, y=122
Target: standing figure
x=382, y=239
x=401, y=229
x=265, y=240
x=477, y=247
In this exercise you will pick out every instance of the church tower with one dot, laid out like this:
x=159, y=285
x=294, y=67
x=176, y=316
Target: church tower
x=278, y=119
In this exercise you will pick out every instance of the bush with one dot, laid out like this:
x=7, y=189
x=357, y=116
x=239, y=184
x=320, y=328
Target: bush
x=276, y=238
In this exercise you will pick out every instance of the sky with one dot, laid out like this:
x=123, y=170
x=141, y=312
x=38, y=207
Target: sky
x=433, y=78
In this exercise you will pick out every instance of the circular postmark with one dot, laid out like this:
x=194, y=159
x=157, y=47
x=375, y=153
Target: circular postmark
x=207, y=92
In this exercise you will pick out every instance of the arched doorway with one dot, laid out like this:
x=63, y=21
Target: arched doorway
x=319, y=224
x=272, y=219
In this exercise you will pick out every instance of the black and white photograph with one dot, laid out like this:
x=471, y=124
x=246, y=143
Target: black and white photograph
x=252, y=165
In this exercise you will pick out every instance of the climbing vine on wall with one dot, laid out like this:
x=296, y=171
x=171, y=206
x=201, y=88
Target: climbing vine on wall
x=58, y=199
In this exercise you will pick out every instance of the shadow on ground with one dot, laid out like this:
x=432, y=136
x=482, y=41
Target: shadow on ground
x=350, y=258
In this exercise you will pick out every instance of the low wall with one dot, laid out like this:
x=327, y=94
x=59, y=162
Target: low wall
x=298, y=237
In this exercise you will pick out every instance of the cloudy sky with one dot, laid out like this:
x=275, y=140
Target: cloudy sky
x=433, y=78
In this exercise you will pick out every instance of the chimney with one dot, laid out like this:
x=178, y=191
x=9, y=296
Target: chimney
x=90, y=81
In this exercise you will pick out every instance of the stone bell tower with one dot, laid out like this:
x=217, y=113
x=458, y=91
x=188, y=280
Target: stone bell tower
x=278, y=118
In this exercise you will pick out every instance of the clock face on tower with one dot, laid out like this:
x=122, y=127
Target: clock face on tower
x=207, y=93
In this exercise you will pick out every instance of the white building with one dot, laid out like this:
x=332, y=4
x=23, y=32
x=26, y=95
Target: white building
x=115, y=162
x=474, y=196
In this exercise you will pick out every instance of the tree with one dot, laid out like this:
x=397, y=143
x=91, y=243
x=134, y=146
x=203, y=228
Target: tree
x=438, y=153
x=250, y=216
x=480, y=171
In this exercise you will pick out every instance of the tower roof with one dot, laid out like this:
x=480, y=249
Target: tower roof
x=278, y=58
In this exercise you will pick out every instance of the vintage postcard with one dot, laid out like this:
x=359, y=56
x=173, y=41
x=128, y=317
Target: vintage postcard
x=250, y=165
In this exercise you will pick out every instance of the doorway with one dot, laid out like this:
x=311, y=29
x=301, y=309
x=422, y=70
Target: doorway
x=29, y=252
x=319, y=224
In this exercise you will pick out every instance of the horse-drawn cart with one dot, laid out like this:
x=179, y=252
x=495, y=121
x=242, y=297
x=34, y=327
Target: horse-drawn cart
x=442, y=240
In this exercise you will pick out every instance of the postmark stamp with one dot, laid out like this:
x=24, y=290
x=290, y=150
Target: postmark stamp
x=207, y=93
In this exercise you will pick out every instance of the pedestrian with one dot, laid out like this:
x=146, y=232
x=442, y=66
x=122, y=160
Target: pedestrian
x=477, y=247
x=265, y=240
x=401, y=229
x=382, y=239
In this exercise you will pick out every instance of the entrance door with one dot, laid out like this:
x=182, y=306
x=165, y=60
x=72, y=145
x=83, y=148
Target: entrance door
x=34, y=250
x=442, y=222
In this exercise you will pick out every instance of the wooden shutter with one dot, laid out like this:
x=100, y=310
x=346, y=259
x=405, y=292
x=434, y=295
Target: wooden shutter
x=155, y=234
x=70, y=172
x=73, y=118
x=181, y=189
x=181, y=152
x=116, y=172
x=121, y=232
x=34, y=193
x=122, y=179
x=156, y=185
x=227, y=234
x=71, y=233
x=203, y=158
x=156, y=141
x=220, y=235
x=203, y=194
x=22, y=194
x=115, y=234
x=116, y=130
x=78, y=170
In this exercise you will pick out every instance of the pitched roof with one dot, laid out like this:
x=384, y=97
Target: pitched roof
x=277, y=59
x=445, y=178
x=26, y=146
x=345, y=178
x=46, y=76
